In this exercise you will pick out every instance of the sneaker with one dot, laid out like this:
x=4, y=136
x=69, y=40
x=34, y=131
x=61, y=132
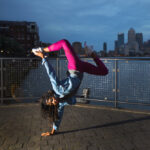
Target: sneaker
x=39, y=49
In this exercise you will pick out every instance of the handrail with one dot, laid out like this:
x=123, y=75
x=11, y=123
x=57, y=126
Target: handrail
x=103, y=58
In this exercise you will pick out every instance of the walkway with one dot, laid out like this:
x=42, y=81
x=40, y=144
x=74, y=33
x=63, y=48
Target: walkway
x=82, y=128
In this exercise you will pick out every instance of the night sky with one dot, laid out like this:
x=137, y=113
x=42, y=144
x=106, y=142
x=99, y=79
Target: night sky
x=94, y=21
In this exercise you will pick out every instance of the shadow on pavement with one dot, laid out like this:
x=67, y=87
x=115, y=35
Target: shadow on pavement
x=107, y=125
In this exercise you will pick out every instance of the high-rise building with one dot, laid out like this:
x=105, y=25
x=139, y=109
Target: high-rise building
x=116, y=44
x=120, y=39
x=116, y=47
x=131, y=35
x=132, y=47
x=119, y=44
x=25, y=33
x=146, y=48
x=78, y=48
x=139, y=39
x=105, y=47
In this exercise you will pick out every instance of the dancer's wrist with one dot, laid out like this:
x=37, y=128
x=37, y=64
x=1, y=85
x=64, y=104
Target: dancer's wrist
x=42, y=56
x=46, y=49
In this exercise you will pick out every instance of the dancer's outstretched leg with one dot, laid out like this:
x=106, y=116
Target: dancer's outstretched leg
x=73, y=59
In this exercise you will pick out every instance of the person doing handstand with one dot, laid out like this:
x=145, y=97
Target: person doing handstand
x=64, y=91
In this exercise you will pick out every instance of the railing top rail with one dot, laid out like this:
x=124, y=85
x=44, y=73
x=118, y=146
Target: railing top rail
x=122, y=58
x=23, y=58
x=128, y=58
x=103, y=58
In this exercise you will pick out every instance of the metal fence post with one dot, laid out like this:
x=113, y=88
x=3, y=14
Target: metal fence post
x=1, y=81
x=57, y=67
x=116, y=82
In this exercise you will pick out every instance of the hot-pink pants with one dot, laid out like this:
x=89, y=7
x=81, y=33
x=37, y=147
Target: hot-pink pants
x=74, y=62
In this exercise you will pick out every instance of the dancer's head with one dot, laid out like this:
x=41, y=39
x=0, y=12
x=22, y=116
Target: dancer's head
x=49, y=98
x=49, y=106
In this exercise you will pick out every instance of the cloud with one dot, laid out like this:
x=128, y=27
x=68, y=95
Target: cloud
x=145, y=29
x=107, y=11
x=76, y=28
x=95, y=20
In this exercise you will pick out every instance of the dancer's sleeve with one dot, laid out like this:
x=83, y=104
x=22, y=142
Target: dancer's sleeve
x=57, y=87
x=57, y=122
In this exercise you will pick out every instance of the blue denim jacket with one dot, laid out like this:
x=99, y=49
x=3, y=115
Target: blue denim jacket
x=63, y=88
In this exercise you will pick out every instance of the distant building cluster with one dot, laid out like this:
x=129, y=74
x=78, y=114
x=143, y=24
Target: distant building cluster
x=135, y=45
x=18, y=38
x=24, y=36
x=25, y=33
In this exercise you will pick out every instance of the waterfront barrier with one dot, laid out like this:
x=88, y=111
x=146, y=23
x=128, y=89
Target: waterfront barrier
x=126, y=86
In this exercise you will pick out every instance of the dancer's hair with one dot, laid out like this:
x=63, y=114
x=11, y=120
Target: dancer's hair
x=49, y=112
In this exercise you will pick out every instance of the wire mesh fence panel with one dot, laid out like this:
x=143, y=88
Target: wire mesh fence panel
x=37, y=82
x=100, y=87
x=128, y=80
x=15, y=72
x=134, y=81
x=62, y=68
x=25, y=78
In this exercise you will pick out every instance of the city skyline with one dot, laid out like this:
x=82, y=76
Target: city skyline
x=93, y=21
x=23, y=33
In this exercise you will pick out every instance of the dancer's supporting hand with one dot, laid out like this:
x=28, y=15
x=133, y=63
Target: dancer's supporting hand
x=48, y=133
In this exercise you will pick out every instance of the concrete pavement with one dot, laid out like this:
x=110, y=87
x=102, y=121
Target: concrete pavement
x=83, y=128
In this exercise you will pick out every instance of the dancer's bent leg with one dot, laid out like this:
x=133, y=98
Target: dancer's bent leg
x=100, y=69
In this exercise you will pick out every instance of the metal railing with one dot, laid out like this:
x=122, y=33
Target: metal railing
x=126, y=85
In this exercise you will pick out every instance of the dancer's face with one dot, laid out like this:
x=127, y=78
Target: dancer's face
x=51, y=101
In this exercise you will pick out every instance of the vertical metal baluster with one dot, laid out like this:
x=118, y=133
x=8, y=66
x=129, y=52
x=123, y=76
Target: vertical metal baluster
x=57, y=67
x=116, y=83
x=1, y=81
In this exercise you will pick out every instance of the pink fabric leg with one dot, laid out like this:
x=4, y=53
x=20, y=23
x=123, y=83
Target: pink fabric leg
x=100, y=69
x=74, y=63
x=73, y=59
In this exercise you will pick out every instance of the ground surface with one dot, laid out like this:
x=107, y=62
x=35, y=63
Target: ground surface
x=82, y=128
